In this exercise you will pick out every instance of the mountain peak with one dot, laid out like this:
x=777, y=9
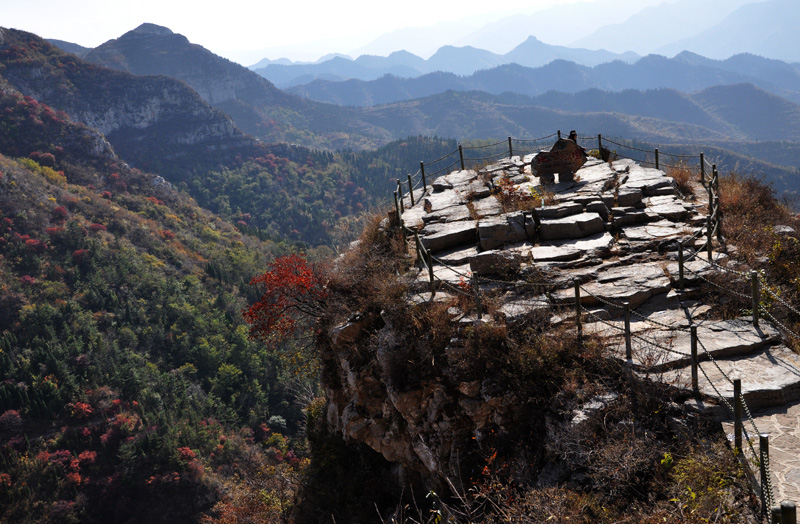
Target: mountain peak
x=152, y=29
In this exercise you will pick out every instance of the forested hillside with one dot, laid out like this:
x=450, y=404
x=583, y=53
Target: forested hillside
x=131, y=391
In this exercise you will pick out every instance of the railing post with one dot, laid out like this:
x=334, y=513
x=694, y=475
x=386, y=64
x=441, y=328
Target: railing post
x=656, y=151
x=422, y=171
x=429, y=259
x=411, y=190
x=477, y=295
x=397, y=205
x=776, y=515
x=418, y=244
x=718, y=215
x=461, y=155
x=737, y=414
x=578, y=310
x=709, y=237
x=680, y=266
x=702, y=167
x=788, y=512
x=695, y=382
x=763, y=451
x=510, y=150
x=559, y=134
x=400, y=196
x=600, y=145
x=756, y=297
x=628, y=348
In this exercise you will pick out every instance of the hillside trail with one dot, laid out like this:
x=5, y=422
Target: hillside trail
x=614, y=233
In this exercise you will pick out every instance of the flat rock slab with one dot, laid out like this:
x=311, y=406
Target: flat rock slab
x=438, y=237
x=634, y=284
x=783, y=426
x=770, y=377
x=494, y=261
x=447, y=214
x=461, y=178
x=629, y=196
x=458, y=256
x=575, y=226
x=595, y=170
x=649, y=180
x=505, y=229
x=656, y=231
x=414, y=217
x=562, y=210
x=599, y=244
x=438, y=201
x=721, y=339
x=486, y=207
x=669, y=207
x=516, y=308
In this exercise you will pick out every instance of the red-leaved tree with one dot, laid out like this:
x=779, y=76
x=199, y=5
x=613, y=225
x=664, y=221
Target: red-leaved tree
x=293, y=297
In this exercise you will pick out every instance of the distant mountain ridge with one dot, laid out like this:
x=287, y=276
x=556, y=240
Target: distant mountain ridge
x=686, y=72
x=140, y=116
x=255, y=104
x=457, y=60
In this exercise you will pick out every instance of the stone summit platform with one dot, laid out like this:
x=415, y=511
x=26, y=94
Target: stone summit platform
x=615, y=229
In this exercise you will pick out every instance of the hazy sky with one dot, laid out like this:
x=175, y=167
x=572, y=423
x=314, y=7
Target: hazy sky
x=246, y=31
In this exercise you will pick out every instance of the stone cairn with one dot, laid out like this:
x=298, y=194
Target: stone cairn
x=608, y=246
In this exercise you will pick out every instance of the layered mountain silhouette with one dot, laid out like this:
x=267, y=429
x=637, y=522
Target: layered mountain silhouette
x=450, y=59
x=686, y=72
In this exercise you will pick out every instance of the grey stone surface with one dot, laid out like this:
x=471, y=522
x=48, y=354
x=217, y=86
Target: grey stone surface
x=494, y=261
x=595, y=245
x=458, y=256
x=438, y=237
x=505, y=229
x=576, y=226
x=598, y=207
x=559, y=210
x=438, y=201
x=487, y=207
x=629, y=196
x=622, y=217
x=448, y=214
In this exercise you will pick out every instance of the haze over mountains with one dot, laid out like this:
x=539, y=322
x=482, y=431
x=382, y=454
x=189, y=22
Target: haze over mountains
x=715, y=28
x=743, y=103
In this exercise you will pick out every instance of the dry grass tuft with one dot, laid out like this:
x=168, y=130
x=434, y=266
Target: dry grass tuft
x=749, y=213
x=683, y=176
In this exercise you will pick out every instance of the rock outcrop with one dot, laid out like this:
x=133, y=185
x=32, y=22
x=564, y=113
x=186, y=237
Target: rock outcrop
x=615, y=230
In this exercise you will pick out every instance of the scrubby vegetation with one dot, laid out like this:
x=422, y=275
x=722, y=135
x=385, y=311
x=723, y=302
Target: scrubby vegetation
x=641, y=457
x=130, y=389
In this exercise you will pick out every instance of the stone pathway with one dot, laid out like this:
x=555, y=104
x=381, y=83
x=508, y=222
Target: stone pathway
x=783, y=426
x=615, y=229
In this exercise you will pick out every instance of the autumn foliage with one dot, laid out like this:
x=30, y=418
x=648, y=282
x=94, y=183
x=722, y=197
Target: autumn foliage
x=293, y=295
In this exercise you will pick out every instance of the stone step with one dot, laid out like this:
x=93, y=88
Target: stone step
x=662, y=349
x=574, y=226
x=770, y=377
